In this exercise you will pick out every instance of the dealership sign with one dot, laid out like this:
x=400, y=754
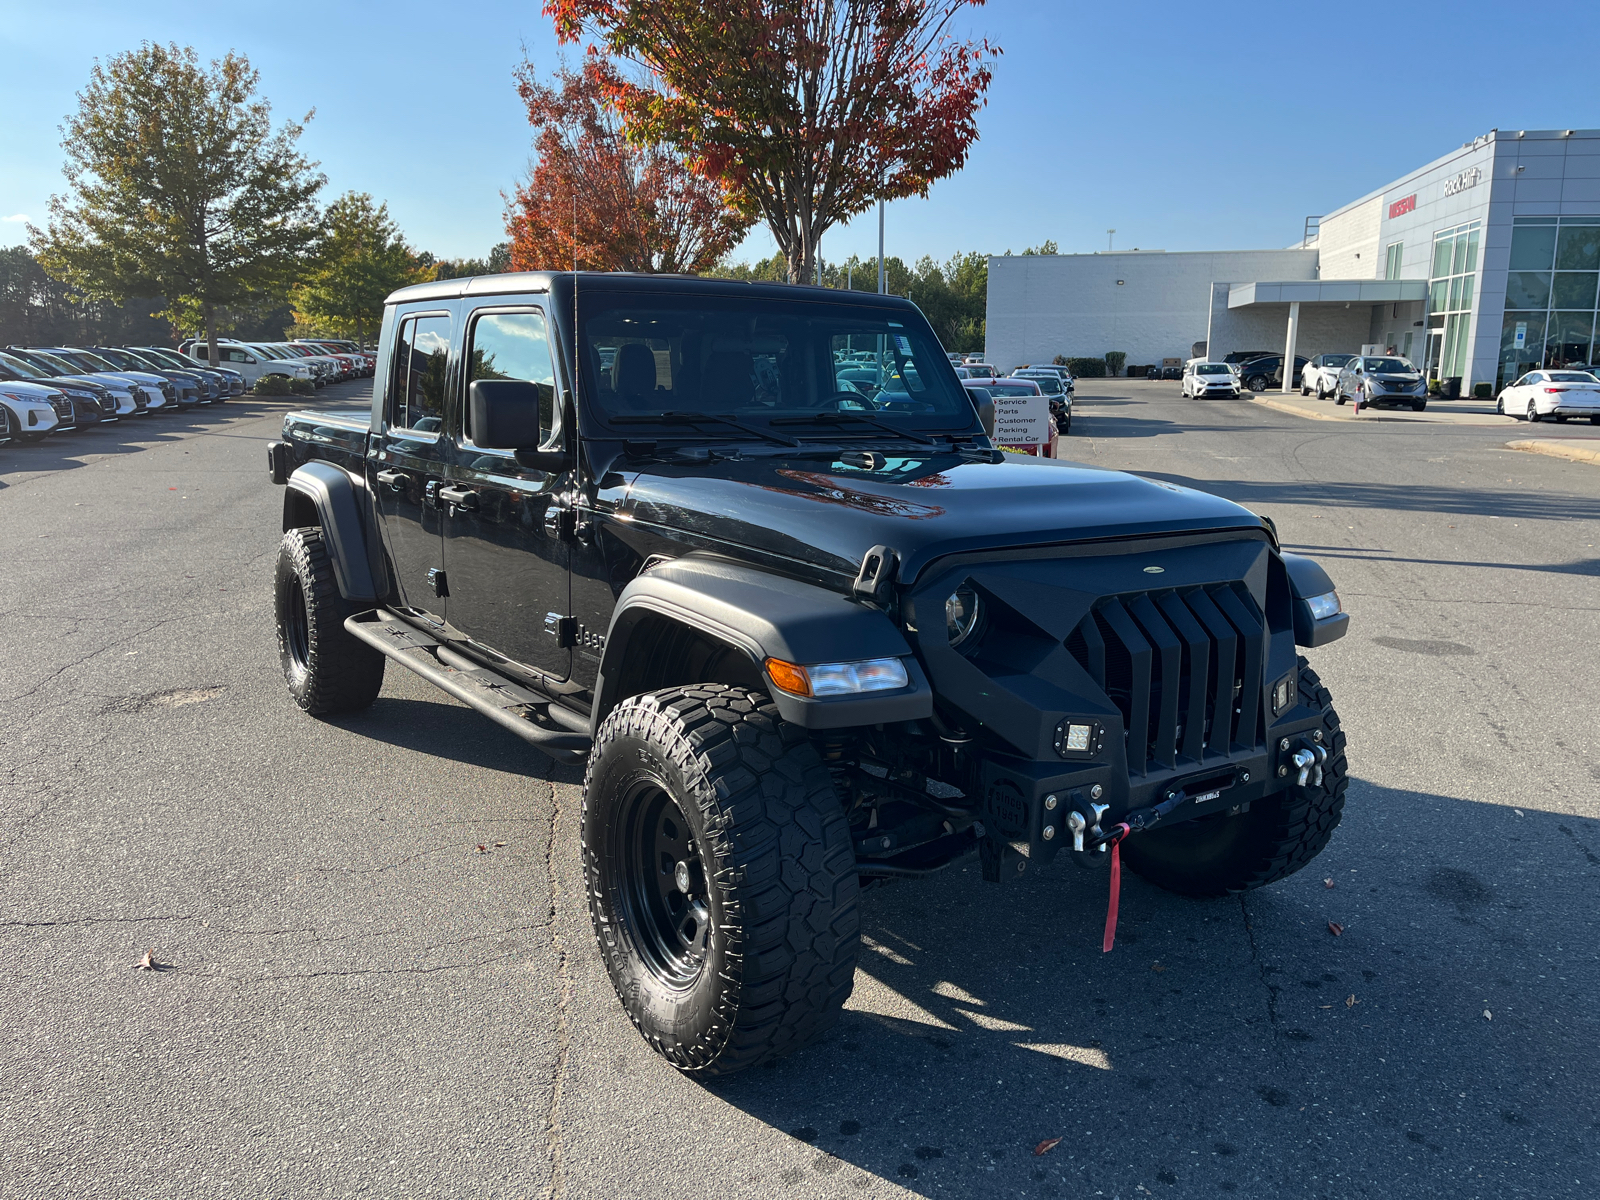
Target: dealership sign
x=1461, y=182
x=1401, y=207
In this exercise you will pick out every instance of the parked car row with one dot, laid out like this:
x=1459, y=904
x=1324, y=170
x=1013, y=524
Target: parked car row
x=320, y=360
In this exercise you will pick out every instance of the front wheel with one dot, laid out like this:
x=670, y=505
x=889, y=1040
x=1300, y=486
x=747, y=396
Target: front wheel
x=1223, y=855
x=326, y=668
x=721, y=877
x=1533, y=413
x=1419, y=405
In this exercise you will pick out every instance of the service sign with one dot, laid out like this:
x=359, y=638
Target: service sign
x=1021, y=421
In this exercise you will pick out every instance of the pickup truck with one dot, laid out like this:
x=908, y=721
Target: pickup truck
x=805, y=641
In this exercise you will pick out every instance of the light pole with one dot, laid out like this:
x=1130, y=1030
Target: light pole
x=1110, y=234
x=883, y=280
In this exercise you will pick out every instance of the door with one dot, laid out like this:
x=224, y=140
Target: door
x=407, y=467
x=506, y=561
x=1435, y=353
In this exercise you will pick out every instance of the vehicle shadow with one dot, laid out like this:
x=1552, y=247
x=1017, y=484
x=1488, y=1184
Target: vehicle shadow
x=1401, y=497
x=1224, y=1045
x=452, y=731
x=1582, y=566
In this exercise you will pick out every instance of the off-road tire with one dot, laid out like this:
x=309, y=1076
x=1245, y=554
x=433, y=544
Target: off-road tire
x=776, y=861
x=1223, y=855
x=326, y=669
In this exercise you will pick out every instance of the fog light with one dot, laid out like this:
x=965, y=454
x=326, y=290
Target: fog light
x=838, y=679
x=1324, y=606
x=1078, y=737
x=1282, y=693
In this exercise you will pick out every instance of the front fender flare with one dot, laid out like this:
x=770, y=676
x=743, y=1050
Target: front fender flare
x=338, y=500
x=763, y=616
x=1307, y=579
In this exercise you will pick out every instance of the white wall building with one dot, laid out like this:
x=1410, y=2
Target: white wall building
x=1477, y=265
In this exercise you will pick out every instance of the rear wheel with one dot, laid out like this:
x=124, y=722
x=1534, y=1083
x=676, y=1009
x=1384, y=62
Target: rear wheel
x=326, y=668
x=1500, y=407
x=1257, y=383
x=1223, y=855
x=1533, y=413
x=721, y=877
x=1560, y=420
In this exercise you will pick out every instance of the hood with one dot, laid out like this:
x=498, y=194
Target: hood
x=827, y=515
x=28, y=393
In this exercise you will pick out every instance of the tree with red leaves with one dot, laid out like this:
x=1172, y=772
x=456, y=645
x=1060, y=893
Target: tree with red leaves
x=808, y=111
x=596, y=200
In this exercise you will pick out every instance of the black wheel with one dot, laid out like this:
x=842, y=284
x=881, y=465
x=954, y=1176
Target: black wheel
x=1418, y=405
x=1304, y=390
x=1533, y=413
x=1594, y=420
x=1222, y=855
x=1064, y=426
x=1560, y=420
x=1500, y=406
x=1339, y=396
x=721, y=877
x=1257, y=383
x=327, y=670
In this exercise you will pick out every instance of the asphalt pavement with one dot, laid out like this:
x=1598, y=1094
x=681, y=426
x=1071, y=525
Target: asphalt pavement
x=376, y=971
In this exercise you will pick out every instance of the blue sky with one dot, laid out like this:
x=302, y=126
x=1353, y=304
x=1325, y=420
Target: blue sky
x=1183, y=126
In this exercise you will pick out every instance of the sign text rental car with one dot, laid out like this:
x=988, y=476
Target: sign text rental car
x=1022, y=423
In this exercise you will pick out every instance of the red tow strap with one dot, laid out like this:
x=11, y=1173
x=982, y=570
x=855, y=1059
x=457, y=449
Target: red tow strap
x=1116, y=890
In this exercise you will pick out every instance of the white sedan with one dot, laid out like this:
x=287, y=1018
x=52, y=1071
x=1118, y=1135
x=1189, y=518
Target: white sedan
x=1209, y=379
x=1558, y=394
x=28, y=411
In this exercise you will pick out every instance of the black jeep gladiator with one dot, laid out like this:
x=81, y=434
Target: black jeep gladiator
x=806, y=639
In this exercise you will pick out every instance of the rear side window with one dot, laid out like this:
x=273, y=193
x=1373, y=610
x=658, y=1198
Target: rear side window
x=416, y=389
x=514, y=345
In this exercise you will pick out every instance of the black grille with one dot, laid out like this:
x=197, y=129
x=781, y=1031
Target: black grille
x=1184, y=668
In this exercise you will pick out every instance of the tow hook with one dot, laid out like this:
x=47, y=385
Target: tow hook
x=1307, y=760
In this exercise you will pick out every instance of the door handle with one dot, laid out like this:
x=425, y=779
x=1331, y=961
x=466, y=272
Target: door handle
x=393, y=480
x=456, y=497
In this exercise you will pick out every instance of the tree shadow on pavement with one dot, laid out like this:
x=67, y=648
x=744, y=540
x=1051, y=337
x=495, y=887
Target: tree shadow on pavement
x=1399, y=497
x=1227, y=1046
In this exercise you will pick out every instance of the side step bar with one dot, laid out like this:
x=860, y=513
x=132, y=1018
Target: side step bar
x=517, y=708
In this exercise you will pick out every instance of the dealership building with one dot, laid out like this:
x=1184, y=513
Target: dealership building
x=1477, y=266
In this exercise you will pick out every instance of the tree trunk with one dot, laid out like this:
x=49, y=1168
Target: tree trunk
x=212, y=353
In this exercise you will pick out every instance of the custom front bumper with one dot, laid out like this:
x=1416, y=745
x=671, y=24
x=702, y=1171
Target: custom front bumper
x=1101, y=681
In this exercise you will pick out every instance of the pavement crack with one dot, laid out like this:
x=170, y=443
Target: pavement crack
x=555, y=1148
x=455, y=966
x=100, y=921
x=1261, y=967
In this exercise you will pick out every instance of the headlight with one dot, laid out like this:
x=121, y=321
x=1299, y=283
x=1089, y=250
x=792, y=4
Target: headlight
x=1324, y=606
x=961, y=614
x=838, y=679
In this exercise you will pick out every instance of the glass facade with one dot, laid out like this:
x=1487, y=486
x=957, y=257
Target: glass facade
x=1450, y=292
x=1552, y=295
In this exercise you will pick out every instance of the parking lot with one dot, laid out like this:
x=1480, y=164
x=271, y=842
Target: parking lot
x=377, y=970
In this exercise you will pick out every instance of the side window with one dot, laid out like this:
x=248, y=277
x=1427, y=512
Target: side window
x=416, y=390
x=513, y=345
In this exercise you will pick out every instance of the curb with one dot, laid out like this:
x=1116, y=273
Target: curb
x=1412, y=419
x=1558, y=450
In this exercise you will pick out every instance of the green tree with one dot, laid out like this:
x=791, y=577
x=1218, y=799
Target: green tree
x=360, y=259
x=179, y=187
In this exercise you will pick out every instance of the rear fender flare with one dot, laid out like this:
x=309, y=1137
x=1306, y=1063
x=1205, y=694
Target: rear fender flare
x=761, y=616
x=338, y=501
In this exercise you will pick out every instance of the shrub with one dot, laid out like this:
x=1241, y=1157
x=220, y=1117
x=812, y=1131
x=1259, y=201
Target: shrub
x=1086, y=368
x=1482, y=391
x=1060, y=360
x=1114, y=361
x=282, y=385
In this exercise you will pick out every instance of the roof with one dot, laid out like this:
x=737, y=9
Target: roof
x=629, y=281
x=1328, y=291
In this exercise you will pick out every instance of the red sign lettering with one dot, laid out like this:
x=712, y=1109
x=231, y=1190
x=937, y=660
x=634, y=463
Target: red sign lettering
x=1401, y=207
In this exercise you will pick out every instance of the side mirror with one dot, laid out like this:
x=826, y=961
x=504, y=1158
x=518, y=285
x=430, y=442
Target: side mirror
x=250, y=358
x=985, y=403
x=505, y=415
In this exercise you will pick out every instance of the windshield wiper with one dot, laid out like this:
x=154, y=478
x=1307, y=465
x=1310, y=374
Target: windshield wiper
x=850, y=418
x=678, y=417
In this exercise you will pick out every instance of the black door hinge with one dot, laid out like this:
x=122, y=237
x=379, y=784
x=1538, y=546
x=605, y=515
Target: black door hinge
x=563, y=629
x=441, y=586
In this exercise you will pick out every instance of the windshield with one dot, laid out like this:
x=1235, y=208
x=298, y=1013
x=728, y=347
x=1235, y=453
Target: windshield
x=1336, y=360
x=1047, y=383
x=120, y=359
x=1390, y=366
x=165, y=357
x=265, y=352
x=1570, y=377
x=1212, y=369
x=1001, y=388
x=764, y=359
x=56, y=363
x=18, y=367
